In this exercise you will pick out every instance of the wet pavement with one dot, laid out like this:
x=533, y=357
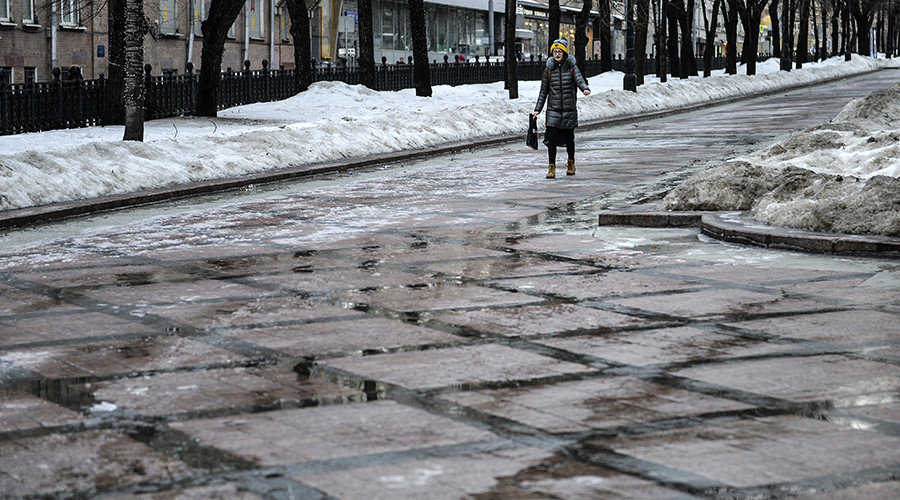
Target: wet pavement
x=454, y=327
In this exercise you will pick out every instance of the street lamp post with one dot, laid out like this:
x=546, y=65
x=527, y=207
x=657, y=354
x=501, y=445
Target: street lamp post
x=630, y=80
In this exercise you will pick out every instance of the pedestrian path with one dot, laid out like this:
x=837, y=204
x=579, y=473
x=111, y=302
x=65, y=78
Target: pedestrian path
x=456, y=327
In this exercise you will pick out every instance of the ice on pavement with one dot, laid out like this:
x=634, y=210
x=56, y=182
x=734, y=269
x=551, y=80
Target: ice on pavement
x=841, y=176
x=332, y=120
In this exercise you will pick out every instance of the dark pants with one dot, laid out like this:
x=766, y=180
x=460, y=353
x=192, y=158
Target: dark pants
x=554, y=137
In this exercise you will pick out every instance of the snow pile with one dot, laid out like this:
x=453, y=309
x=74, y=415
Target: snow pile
x=841, y=176
x=330, y=121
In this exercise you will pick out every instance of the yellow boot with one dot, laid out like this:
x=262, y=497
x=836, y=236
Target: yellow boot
x=551, y=174
x=570, y=167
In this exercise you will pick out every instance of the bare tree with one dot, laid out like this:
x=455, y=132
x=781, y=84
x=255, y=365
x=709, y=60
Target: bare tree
x=421, y=70
x=671, y=14
x=581, y=39
x=730, y=15
x=135, y=27
x=710, y=25
x=750, y=12
x=863, y=12
x=776, y=35
x=366, y=58
x=803, y=34
x=640, y=39
x=554, y=18
x=222, y=14
x=509, y=40
x=604, y=34
x=302, y=51
x=115, y=81
x=787, y=35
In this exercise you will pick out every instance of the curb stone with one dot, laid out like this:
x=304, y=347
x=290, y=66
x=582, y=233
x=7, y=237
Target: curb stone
x=737, y=227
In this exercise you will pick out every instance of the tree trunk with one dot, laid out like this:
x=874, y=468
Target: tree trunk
x=134, y=70
x=115, y=82
x=222, y=14
x=776, y=35
x=731, y=21
x=686, y=22
x=581, y=39
x=640, y=39
x=512, y=61
x=366, y=59
x=421, y=69
x=672, y=38
x=786, y=35
x=302, y=50
x=662, y=43
x=712, y=25
x=605, y=35
x=803, y=35
x=553, y=26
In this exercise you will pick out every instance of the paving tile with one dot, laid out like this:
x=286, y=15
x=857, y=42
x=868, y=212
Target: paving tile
x=311, y=434
x=454, y=366
x=162, y=293
x=343, y=279
x=883, y=490
x=129, y=275
x=421, y=251
x=561, y=477
x=222, y=389
x=121, y=357
x=215, y=492
x=19, y=411
x=496, y=473
x=884, y=411
x=57, y=327
x=746, y=274
x=344, y=336
x=225, y=250
x=842, y=327
x=506, y=267
x=15, y=301
x=537, y=319
x=611, y=284
x=813, y=378
x=664, y=345
x=438, y=297
x=713, y=303
x=762, y=451
x=299, y=262
x=248, y=312
x=592, y=404
x=61, y=464
x=54, y=257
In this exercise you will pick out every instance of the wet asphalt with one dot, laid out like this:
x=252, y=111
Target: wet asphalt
x=453, y=327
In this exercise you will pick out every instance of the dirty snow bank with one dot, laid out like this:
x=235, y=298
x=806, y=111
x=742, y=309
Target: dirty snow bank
x=841, y=176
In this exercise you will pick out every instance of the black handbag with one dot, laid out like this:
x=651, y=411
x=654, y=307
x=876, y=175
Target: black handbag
x=531, y=139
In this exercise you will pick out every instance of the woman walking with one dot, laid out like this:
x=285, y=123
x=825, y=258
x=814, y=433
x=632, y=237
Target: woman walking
x=558, y=91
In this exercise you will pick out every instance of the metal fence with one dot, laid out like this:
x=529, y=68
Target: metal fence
x=60, y=104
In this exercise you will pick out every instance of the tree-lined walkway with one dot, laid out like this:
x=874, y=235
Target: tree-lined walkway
x=458, y=326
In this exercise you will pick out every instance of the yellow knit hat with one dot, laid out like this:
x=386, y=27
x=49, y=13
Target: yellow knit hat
x=561, y=44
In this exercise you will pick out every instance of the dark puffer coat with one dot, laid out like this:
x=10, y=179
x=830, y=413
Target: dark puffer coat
x=558, y=90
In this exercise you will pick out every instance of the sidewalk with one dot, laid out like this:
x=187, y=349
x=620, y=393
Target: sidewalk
x=458, y=327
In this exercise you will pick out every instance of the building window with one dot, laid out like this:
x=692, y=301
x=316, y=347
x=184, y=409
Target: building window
x=201, y=9
x=285, y=20
x=255, y=13
x=4, y=10
x=27, y=11
x=69, y=13
x=30, y=74
x=6, y=74
x=167, y=17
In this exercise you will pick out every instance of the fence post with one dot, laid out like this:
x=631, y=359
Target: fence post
x=267, y=92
